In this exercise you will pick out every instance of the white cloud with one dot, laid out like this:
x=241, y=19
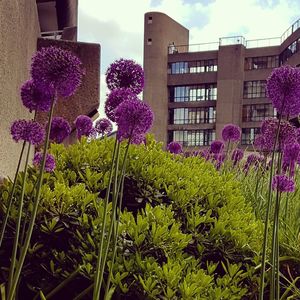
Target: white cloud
x=118, y=25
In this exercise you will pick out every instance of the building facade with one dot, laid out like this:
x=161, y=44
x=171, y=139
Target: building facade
x=25, y=26
x=194, y=90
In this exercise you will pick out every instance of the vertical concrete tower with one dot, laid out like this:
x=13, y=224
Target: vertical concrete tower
x=160, y=31
x=230, y=85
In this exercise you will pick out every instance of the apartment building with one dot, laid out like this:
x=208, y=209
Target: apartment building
x=28, y=25
x=194, y=90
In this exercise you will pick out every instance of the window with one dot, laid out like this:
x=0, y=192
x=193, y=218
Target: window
x=209, y=65
x=193, y=93
x=249, y=134
x=197, y=115
x=262, y=62
x=149, y=42
x=289, y=51
x=190, y=138
x=255, y=89
x=149, y=20
x=258, y=112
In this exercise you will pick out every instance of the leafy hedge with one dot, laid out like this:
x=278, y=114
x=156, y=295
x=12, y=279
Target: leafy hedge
x=185, y=233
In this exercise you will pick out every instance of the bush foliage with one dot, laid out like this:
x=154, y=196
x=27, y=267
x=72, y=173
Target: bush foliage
x=186, y=232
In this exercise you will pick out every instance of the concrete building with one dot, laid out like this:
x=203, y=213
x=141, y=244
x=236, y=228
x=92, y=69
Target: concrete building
x=194, y=90
x=25, y=26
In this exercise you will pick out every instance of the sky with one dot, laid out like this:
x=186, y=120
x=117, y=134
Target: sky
x=118, y=25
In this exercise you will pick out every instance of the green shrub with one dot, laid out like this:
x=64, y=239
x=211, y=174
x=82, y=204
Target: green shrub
x=185, y=232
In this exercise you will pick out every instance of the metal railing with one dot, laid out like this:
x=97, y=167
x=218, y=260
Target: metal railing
x=56, y=35
x=235, y=40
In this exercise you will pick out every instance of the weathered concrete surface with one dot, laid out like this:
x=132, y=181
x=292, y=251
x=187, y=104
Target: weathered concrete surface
x=19, y=29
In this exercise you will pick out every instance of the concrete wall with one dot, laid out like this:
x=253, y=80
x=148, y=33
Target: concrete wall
x=19, y=29
x=159, y=31
x=86, y=99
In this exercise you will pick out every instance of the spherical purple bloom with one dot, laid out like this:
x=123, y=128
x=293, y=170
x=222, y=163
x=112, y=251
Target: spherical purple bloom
x=237, y=155
x=134, y=118
x=57, y=69
x=60, y=129
x=34, y=98
x=125, y=73
x=283, y=88
x=216, y=147
x=282, y=183
x=287, y=133
x=253, y=160
x=28, y=131
x=103, y=126
x=174, y=147
x=291, y=152
x=84, y=126
x=115, y=98
x=231, y=132
x=49, y=163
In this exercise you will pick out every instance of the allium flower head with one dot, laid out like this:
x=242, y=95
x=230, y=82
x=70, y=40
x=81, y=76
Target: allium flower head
x=287, y=133
x=115, y=98
x=134, y=118
x=103, y=126
x=216, y=147
x=28, y=131
x=174, y=147
x=205, y=153
x=291, y=152
x=57, y=69
x=231, y=132
x=125, y=73
x=283, y=88
x=237, y=155
x=34, y=98
x=49, y=163
x=282, y=183
x=84, y=126
x=60, y=129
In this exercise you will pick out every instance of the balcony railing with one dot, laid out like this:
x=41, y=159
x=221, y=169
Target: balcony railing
x=55, y=35
x=235, y=40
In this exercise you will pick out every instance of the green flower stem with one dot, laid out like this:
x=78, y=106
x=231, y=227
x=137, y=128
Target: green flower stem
x=84, y=292
x=35, y=208
x=265, y=240
x=11, y=195
x=114, y=201
x=115, y=240
x=96, y=292
x=275, y=267
x=18, y=225
x=63, y=283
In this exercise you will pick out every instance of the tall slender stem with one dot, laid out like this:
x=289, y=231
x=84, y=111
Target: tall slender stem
x=265, y=241
x=112, y=220
x=35, y=208
x=97, y=286
x=11, y=195
x=18, y=225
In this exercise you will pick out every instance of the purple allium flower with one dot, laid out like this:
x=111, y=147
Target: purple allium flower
x=237, y=155
x=138, y=139
x=287, y=133
x=49, y=163
x=174, y=147
x=103, y=126
x=216, y=147
x=291, y=152
x=282, y=183
x=115, y=98
x=34, y=98
x=125, y=73
x=84, y=126
x=283, y=88
x=57, y=69
x=205, y=153
x=60, y=129
x=253, y=159
x=134, y=118
x=231, y=132
x=29, y=131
